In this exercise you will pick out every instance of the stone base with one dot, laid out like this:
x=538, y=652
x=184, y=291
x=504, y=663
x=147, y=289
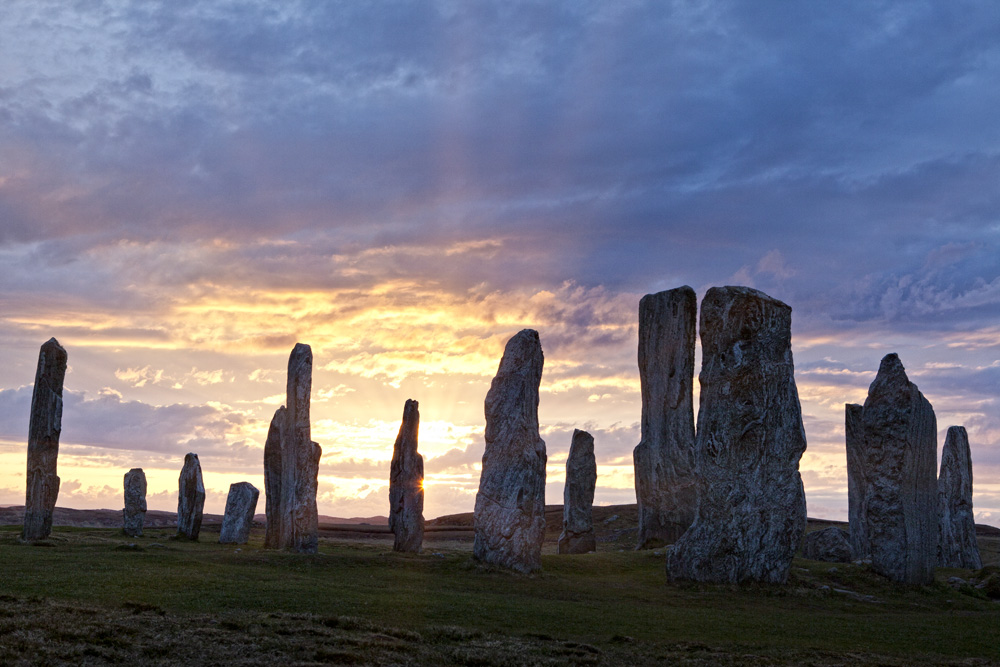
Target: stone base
x=573, y=543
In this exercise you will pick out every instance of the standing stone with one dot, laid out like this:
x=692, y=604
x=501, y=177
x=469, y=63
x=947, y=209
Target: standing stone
x=43, y=441
x=510, y=505
x=832, y=545
x=406, y=485
x=751, y=504
x=891, y=471
x=578, y=496
x=299, y=458
x=272, y=481
x=957, y=545
x=238, y=519
x=190, y=498
x=134, y=513
x=665, y=489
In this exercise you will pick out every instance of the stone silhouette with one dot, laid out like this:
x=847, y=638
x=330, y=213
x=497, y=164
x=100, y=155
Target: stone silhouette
x=238, y=519
x=510, y=505
x=957, y=545
x=578, y=496
x=190, y=498
x=291, y=464
x=891, y=472
x=272, y=481
x=406, y=484
x=751, y=505
x=43, y=441
x=832, y=545
x=134, y=514
x=665, y=490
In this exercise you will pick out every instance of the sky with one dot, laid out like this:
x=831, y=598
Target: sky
x=188, y=188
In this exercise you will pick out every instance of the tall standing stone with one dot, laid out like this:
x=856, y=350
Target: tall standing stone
x=510, y=505
x=665, y=489
x=891, y=472
x=272, y=481
x=190, y=498
x=43, y=441
x=299, y=458
x=957, y=545
x=134, y=514
x=578, y=496
x=406, y=484
x=751, y=505
x=241, y=503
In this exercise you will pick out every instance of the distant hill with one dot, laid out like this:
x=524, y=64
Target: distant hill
x=13, y=515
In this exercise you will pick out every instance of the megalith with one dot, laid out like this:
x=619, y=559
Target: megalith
x=190, y=498
x=299, y=458
x=957, y=545
x=406, y=484
x=665, y=490
x=751, y=510
x=510, y=505
x=891, y=473
x=44, y=428
x=134, y=514
x=272, y=481
x=578, y=496
x=832, y=545
x=241, y=503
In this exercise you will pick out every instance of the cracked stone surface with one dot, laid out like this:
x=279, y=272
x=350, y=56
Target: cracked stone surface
x=406, y=484
x=957, y=545
x=190, y=498
x=509, y=515
x=134, y=514
x=832, y=545
x=238, y=519
x=578, y=496
x=44, y=429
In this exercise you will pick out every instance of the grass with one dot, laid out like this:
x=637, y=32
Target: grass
x=90, y=596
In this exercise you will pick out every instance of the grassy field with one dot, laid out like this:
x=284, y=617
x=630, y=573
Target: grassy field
x=95, y=596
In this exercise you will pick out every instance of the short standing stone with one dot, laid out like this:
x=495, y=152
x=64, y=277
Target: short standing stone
x=240, y=507
x=272, y=481
x=578, y=496
x=406, y=484
x=134, y=513
x=299, y=458
x=957, y=544
x=665, y=489
x=891, y=471
x=190, y=498
x=751, y=505
x=510, y=505
x=43, y=441
x=832, y=545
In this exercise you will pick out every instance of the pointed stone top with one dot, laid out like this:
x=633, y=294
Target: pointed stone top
x=523, y=353
x=410, y=408
x=582, y=442
x=891, y=379
x=52, y=342
x=190, y=456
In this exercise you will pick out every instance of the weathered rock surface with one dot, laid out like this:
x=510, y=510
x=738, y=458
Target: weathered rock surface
x=272, y=481
x=578, y=496
x=238, y=519
x=665, y=489
x=832, y=545
x=957, y=545
x=134, y=514
x=299, y=458
x=510, y=505
x=891, y=472
x=190, y=498
x=43, y=441
x=751, y=505
x=406, y=484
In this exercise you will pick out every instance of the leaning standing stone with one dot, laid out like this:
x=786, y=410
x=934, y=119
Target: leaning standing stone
x=43, y=441
x=272, y=481
x=238, y=519
x=510, y=505
x=664, y=459
x=891, y=471
x=957, y=545
x=190, y=498
x=578, y=496
x=299, y=458
x=406, y=484
x=134, y=513
x=751, y=505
